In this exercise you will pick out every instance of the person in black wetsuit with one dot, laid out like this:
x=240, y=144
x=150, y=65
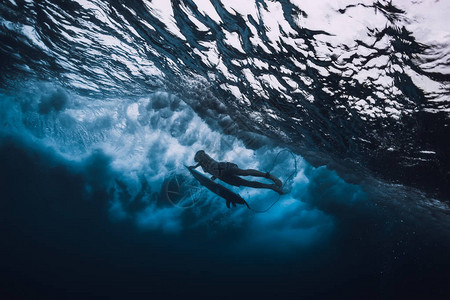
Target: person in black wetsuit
x=229, y=173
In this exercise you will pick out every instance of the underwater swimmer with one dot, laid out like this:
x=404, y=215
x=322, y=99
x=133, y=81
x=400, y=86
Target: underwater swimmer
x=229, y=173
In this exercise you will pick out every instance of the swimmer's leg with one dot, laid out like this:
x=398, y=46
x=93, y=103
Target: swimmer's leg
x=252, y=172
x=237, y=181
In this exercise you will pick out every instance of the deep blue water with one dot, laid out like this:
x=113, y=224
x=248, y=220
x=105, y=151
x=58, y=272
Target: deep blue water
x=102, y=103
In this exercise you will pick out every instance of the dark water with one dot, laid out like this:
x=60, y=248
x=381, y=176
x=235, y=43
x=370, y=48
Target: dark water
x=103, y=102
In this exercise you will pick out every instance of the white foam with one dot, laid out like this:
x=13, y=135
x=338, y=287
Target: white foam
x=205, y=7
x=233, y=39
x=162, y=9
x=245, y=8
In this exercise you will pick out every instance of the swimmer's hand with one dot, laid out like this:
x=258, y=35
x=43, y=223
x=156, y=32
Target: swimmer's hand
x=193, y=167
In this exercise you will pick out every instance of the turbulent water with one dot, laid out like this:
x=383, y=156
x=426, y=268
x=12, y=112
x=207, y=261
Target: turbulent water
x=347, y=102
x=356, y=85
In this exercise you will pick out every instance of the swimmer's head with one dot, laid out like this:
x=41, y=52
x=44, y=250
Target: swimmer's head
x=200, y=156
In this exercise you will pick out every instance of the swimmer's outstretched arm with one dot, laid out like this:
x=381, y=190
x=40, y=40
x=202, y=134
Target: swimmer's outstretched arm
x=193, y=167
